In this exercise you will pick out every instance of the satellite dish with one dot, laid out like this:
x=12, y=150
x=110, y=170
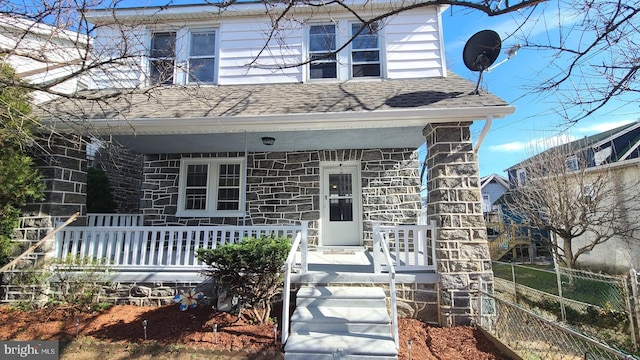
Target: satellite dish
x=481, y=51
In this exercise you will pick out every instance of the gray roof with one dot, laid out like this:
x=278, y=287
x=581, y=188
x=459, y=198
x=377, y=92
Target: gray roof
x=273, y=99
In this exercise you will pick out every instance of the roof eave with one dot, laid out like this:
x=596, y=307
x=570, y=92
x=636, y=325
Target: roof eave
x=216, y=11
x=296, y=122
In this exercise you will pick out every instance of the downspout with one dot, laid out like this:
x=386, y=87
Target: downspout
x=483, y=133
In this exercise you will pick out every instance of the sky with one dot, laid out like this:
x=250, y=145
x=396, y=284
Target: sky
x=535, y=123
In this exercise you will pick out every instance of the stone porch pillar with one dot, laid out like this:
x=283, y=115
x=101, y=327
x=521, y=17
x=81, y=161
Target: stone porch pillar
x=455, y=203
x=63, y=164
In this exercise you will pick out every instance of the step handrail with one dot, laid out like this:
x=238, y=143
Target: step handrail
x=299, y=242
x=392, y=283
x=71, y=219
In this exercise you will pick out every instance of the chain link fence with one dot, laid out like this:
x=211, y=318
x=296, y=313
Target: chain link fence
x=597, y=305
x=531, y=336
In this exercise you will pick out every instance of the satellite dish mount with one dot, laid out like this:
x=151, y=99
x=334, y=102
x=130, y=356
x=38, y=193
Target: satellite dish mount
x=480, y=52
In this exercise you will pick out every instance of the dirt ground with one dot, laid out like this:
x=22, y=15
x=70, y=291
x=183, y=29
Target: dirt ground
x=118, y=333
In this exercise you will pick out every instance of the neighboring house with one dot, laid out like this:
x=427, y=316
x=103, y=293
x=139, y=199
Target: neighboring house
x=229, y=136
x=491, y=188
x=618, y=149
x=42, y=55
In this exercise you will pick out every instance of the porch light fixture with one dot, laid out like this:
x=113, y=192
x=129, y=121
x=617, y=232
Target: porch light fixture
x=267, y=140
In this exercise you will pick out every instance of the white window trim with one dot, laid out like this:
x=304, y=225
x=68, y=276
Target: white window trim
x=212, y=193
x=381, y=56
x=150, y=58
x=308, y=51
x=343, y=57
x=216, y=57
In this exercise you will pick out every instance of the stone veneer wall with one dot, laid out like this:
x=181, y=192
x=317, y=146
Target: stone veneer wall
x=284, y=187
x=455, y=203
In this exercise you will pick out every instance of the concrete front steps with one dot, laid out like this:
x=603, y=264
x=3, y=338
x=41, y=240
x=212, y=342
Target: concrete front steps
x=340, y=323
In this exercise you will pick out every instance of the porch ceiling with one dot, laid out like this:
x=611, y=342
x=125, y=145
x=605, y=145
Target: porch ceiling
x=400, y=137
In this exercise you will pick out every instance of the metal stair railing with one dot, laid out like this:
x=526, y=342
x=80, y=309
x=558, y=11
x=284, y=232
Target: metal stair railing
x=301, y=242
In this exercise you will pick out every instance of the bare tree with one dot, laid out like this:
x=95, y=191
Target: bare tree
x=593, y=55
x=600, y=65
x=584, y=207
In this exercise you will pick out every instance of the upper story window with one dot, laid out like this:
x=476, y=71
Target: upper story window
x=183, y=56
x=322, y=42
x=162, y=57
x=360, y=59
x=202, y=56
x=365, y=51
x=210, y=187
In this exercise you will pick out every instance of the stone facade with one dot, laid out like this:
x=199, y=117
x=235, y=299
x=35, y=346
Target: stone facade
x=63, y=167
x=284, y=187
x=455, y=203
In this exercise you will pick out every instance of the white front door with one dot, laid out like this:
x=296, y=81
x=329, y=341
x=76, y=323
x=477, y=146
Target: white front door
x=341, y=204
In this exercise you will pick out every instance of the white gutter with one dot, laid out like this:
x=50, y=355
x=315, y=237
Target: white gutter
x=289, y=122
x=483, y=133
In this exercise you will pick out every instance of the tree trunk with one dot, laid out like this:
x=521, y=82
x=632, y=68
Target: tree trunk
x=569, y=260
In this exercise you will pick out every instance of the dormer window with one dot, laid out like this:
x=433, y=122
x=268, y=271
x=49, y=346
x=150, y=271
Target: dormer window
x=322, y=42
x=162, y=58
x=365, y=51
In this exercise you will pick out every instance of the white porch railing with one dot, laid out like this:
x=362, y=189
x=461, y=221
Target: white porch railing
x=114, y=219
x=156, y=248
x=411, y=247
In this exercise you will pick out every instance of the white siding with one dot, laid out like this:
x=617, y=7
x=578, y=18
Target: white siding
x=110, y=43
x=241, y=44
x=413, y=45
x=410, y=48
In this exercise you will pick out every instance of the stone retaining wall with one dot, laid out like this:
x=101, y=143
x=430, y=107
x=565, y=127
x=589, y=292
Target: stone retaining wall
x=140, y=294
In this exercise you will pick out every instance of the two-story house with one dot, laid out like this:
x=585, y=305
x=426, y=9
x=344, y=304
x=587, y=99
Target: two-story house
x=242, y=120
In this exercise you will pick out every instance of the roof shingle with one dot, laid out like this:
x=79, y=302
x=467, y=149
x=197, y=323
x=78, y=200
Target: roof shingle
x=273, y=99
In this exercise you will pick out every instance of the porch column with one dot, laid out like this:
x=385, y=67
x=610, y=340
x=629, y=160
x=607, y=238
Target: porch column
x=63, y=164
x=455, y=203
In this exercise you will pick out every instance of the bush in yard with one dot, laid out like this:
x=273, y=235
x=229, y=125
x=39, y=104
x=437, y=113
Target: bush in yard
x=251, y=269
x=77, y=282
x=19, y=182
x=99, y=195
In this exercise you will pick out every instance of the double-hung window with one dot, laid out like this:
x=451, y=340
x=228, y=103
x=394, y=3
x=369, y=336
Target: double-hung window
x=162, y=57
x=202, y=56
x=322, y=47
x=365, y=50
x=211, y=187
